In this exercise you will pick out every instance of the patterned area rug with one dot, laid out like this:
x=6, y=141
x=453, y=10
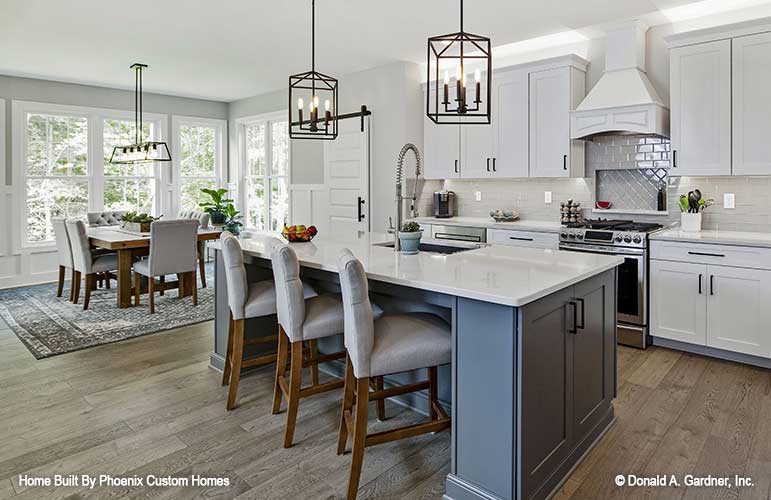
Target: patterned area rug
x=50, y=326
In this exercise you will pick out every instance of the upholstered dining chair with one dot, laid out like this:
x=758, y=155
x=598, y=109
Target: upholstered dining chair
x=64, y=253
x=388, y=345
x=172, y=251
x=85, y=262
x=203, y=222
x=245, y=300
x=301, y=321
x=105, y=218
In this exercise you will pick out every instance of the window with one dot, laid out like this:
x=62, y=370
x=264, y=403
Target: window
x=199, y=155
x=127, y=187
x=56, y=171
x=265, y=153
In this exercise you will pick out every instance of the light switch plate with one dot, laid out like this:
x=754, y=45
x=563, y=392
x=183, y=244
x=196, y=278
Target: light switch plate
x=478, y=195
x=547, y=196
x=729, y=200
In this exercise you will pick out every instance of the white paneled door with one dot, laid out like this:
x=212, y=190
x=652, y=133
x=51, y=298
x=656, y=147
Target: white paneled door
x=346, y=167
x=679, y=301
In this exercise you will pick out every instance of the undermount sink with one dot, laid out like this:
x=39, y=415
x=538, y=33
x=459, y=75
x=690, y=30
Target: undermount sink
x=432, y=247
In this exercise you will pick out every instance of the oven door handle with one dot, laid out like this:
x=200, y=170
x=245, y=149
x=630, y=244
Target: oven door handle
x=611, y=251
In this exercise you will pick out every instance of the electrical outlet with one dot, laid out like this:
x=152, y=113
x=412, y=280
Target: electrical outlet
x=729, y=200
x=478, y=195
x=547, y=196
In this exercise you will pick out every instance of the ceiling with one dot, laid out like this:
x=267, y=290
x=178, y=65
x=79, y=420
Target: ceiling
x=231, y=49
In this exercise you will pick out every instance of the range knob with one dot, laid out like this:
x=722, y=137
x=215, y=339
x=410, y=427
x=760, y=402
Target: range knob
x=580, y=236
x=564, y=235
x=627, y=239
x=618, y=238
x=572, y=236
x=637, y=238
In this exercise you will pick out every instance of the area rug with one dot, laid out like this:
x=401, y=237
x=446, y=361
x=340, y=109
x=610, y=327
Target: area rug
x=50, y=326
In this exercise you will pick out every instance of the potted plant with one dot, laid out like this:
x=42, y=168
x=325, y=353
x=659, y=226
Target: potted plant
x=409, y=237
x=233, y=219
x=691, y=207
x=138, y=223
x=216, y=206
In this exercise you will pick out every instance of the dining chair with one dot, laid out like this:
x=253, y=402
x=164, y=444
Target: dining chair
x=203, y=222
x=64, y=253
x=245, y=300
x=172, y=251
x=377, y=347
x=301, y=321
x=105, y=218
x=85, y=262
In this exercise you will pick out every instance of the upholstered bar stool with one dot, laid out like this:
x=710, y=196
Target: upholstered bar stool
x=301, y=321
x=388, y=345
x=245, y=300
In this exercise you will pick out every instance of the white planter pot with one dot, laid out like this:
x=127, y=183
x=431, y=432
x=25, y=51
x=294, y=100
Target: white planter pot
x=690, y=222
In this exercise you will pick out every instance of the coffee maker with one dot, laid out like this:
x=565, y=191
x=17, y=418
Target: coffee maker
x=444, y=204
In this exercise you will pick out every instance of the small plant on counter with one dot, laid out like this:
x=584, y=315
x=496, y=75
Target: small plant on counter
x=409, y=237
x=140, y=223
x=410, y=227
x=216, y=206
x=232, y=219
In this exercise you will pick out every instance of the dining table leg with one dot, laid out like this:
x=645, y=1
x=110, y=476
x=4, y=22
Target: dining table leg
x=124, y=277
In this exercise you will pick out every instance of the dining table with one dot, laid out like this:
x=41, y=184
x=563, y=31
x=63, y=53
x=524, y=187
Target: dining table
x=129, y=245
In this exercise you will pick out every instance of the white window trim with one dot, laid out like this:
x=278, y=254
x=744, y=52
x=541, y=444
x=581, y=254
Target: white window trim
x=178, y=121
x=241, y=168
x=95, y=164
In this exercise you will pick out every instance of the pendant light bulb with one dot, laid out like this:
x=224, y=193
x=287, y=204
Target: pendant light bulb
x=300, y=103
x=326, y=105
x=477, y=75
x=315, y=102
x=458, y=73
x=446, y=77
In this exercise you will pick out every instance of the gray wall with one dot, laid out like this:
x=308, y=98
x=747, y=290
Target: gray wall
x=28, y=89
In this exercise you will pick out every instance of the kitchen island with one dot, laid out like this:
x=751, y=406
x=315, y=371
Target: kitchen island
x=533, y=371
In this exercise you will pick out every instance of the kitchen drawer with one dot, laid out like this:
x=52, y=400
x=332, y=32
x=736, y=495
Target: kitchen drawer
x=522, y=238
x=722, y=255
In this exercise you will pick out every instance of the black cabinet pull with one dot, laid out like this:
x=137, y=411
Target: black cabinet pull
x=520, y=239
x=583, y=315
x=488, y=164
x=700, y=277
x=494, y=164
x=574, y=330
x=359, y=205
x=564, y=162
x=712, y=284
x=674, y=158
x=704, y=254
x=456, y=166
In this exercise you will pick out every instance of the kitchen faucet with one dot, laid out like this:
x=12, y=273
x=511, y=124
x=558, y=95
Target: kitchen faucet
x=399, y=198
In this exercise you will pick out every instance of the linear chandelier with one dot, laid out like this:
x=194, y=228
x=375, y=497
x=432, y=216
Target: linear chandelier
x=140, y=151
x=459, y=53
x=315, y=89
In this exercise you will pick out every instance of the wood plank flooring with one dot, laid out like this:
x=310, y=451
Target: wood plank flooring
x=152, y=406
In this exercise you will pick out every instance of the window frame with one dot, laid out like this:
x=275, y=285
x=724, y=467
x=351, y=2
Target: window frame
x=242, y=167
x=94, y=165
x=179, y=121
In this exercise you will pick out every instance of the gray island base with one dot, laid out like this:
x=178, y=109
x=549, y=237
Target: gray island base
x=530, y=387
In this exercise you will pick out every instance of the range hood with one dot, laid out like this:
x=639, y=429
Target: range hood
x=624, y=100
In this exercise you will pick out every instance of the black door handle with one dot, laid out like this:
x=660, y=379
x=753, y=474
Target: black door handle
x=583, y=315
x=359, y=204
x=494, y=164
x=517, y=238
x=674, y=158
x=574, y=330
x=456, y=166
x=564, y=162
x=705, y=254
x=488, y=164
x=700, y=277
x=712, y=284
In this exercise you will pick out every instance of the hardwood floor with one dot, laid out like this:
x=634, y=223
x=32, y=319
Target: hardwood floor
x=151, y=406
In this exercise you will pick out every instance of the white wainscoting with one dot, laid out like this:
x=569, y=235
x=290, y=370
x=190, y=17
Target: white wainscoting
x=309, y=205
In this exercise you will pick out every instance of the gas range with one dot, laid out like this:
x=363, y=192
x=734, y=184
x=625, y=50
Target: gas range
x=608, y=233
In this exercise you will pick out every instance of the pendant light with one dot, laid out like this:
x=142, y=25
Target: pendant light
x=460, y=55
x=140, y=151
x=312, y=89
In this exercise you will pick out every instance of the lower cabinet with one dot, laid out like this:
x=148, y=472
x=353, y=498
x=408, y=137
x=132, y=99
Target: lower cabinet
x=567, y=345
x=523, y=238
x=715, y=306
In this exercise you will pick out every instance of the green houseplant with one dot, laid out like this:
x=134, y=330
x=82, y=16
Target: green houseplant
x=233, y=219
x=409, y=237
x=139, y=223
x=216, y=206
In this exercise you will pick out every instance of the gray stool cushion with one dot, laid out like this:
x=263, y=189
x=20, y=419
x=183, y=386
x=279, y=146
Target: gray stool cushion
x=324, y=316
x=261, y=298
x=410, y=341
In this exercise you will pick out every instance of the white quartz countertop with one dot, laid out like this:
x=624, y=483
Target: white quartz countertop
x=512, y=276
x=488, y=222
x=715, y=237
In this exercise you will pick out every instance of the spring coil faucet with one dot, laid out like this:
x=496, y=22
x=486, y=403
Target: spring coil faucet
x=399, y=198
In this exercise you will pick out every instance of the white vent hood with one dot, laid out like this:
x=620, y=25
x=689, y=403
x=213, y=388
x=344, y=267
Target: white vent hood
x=624, y=100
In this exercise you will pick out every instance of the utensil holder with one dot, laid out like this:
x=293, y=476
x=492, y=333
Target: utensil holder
x=690, y=222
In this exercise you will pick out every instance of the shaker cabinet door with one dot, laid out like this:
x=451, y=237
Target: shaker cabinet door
x=441, y=148
x=510, y=124
x=700, y=83
x=679, y=301
x=550, y=145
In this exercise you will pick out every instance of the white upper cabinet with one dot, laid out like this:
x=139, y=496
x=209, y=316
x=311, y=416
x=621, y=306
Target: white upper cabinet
x=700, y=77
x=751, y=104
x=510, y=124
x=477, y=151
x=552, y=152
x=441, y=149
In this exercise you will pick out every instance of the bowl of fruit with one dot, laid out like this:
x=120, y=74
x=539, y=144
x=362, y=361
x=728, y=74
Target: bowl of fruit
x=299, y=233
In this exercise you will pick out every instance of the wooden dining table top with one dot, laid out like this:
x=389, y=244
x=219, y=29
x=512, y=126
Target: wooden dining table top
x=115, y=238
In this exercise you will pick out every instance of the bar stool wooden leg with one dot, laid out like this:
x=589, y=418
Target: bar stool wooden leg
x=151, y=293
x=283, y=344
x=202, y=263
x=346, y=414
x=295, y=381
x=229, y=351
x=163, y=285
x=315, y=367
x=380, y=405
x=237, y=357
x=60, y=286
x=433, y=392
x=359, y=435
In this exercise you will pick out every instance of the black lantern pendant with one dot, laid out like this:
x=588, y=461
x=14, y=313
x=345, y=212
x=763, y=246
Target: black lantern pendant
x=141, y=151
x=458, y=55
x=314, y=90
